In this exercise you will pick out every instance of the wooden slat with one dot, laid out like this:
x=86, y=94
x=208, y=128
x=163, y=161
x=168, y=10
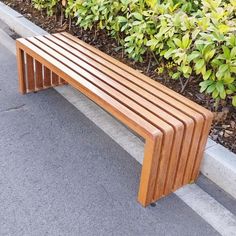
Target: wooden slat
x=47, y=77
x=30, y=73
x=38, y=75
x=128, y=117
x=115, y=84
x=201, y=148
x=139, y=75
x=91, y=57
x=102, y=85
x=101, y=70
x=149, y=171
x=55, y=79
x=62, y=81
x=21, y=70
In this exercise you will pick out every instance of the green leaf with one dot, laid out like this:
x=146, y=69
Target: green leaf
x=232, y=39
x=178, y=42
x=152, y=42
x=233, y=52
x=209, y=55
x=215, y=94
x=233, y=69
x=185, y=41
x=226, y=51
x=176, y=75
x=204, y=85
x=171, y=44
x=234, y=101
x=193, y=55
x=122, y=19
x=228, y=80
x=129, y=50
x=220, y=86
x=169, y=53
x=232, y=87
x=129, y=38
x=199, y=64
x=229, y=92
x=207, y=75
x=186, y=69
x=222, y=69
x=138, y=16
x=223, y=94
x=211, y=88
x=224, y=28
x=216, y=62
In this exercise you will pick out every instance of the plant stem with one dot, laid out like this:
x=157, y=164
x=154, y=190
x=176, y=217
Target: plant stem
x=149, y=62
x=154, y=56
x=185, y=84
x=69, y=23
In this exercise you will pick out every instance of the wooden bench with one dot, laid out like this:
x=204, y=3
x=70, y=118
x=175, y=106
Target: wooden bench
x=175, y=129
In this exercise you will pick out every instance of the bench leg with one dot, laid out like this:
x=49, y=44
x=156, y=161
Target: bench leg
x=33, y=76
x=21, y=70
x=201, y=147
x=149, y=171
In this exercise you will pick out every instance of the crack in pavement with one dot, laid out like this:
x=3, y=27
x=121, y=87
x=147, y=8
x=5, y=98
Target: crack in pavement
x=13, y=108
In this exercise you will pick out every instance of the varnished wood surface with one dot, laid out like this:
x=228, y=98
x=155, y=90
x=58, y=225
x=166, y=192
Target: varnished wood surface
x=38, y=75
x=21, y=70
x=175, y=129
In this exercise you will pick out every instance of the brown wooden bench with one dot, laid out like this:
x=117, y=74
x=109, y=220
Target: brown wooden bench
x=175, y=129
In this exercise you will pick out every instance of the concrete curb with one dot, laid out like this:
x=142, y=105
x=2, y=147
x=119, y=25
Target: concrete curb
x=4, y=39
x=19, y=23
x=219, y=164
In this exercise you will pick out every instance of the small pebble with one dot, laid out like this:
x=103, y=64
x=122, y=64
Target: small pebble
x=153, y=204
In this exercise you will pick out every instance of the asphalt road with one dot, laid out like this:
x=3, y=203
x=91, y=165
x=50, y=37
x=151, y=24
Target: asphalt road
x=62, y=175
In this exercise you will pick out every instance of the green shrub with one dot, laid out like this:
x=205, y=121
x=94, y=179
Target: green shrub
x=48, y=5
x=198, y=37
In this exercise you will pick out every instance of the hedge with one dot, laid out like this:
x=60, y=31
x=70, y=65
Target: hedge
x=198, y=37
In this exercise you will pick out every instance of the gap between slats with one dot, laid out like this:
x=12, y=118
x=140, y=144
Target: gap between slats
x=38, y=76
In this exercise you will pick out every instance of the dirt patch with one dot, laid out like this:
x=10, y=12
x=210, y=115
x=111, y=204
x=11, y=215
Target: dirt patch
x=224, y=126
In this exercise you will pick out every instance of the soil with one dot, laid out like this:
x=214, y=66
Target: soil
x=224, y=125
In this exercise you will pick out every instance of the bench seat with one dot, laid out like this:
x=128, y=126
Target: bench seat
x=174, y=128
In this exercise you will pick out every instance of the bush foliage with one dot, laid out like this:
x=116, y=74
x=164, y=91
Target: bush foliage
x=198, y=37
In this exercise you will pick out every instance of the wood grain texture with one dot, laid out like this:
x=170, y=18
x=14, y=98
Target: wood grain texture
x=55, y=79
x=174, y=128
x=21, y=70
x=152, y=152
x=30, y=73
x=46, y=77
x=38, y=75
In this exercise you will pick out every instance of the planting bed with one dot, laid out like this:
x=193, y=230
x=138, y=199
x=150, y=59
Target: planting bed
x=224, y=126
